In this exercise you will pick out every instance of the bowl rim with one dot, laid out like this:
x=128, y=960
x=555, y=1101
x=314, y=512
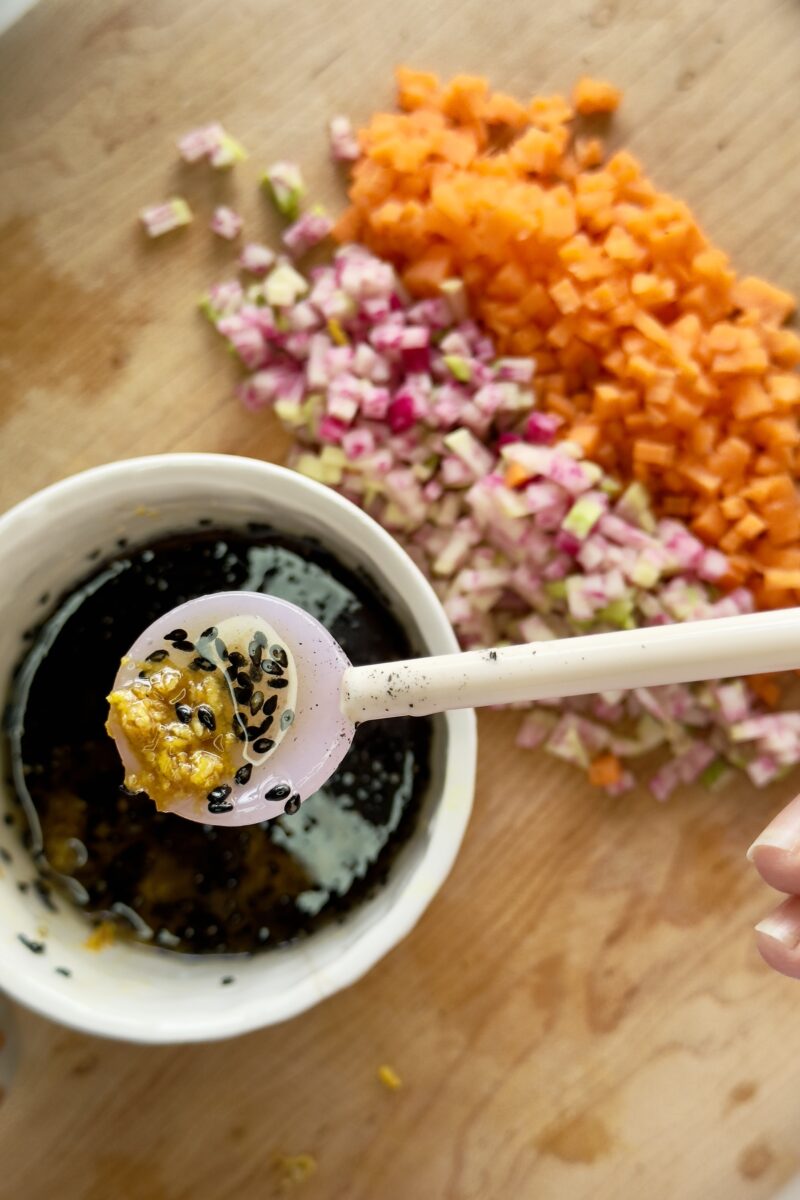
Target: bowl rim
x=445, y=827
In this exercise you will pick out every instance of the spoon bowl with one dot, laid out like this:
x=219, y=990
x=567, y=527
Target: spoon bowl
x=310, y=746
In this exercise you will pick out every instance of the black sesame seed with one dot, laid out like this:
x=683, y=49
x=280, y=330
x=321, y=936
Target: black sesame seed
x=221, y=648
x=219, y=793
x=255, y=672
x=156, y=656
x=22, y=886
x=279, y=655
x=43, y=891
x=237, y=659
x=239, y=727
x=5, y=856
x=242, y=776
x=209, y=633
x=263, y=745
x=184, y=713
x=65, y=971
x=186, y=646
x=8, y=819
x=278, y=683
x=34, y=947
x=205, y=716
x=232, y=672
x=256, y=700
x=270, y=704
x=272, y=668
x=279, y=792
x=202, y=664
x=260, y=637
x=226, y=979
x=287, y=716
x=143, y=675
x=177, y=635
x=256, y=650
x=243, y=694
x=219, y=806
x=253, y=732
x=292, y=804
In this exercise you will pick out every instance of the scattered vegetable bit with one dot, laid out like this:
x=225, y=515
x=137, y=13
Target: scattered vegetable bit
x=256, y=259
x=159, y=219
x=389, y=1078
x=343, y=141
x=307, y=231
x=293, y=1169
x=226, y=223
x=200, y=143
x=284, y=184
x=227, y=153
x=212, y=143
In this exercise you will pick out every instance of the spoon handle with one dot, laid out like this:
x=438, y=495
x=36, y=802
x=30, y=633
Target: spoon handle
x=681, y=653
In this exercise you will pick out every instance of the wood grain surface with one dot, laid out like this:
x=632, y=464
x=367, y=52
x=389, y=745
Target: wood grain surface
x=581, y=1013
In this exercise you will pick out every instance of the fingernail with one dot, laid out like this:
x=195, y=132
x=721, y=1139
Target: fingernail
x=781, y=834
x=782, y=927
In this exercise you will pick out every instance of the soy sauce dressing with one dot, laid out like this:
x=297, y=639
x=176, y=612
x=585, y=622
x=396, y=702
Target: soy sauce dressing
x=187, y=887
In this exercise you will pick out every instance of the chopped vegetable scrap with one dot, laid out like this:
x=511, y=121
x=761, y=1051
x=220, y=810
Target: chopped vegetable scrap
x=159, y=219
x=293, y=1169
x=212, y=143
x=404, y=406
x=661, y=363
x=343, y=141
x=226, y=223
x=284, y=185
x=389, y=1078
x=307, y=231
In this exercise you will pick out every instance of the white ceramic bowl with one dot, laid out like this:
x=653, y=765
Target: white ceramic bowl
x=138, y=993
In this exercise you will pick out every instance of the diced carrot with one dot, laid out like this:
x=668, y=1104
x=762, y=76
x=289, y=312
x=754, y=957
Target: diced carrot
x=587, y=435
x=710, y=524
x=658, y=453
x=775, y=577
x=516, y=475
x=770, y=302
x=704, y=480
x=595, y=96
x=416, y=89
x=733, y=508
x=427, y=274
x=749, y=526
x=605, y=770
x=765, y=688
x=589, y=152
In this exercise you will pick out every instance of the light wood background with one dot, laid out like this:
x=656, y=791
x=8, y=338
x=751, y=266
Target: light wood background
x=581, y=1014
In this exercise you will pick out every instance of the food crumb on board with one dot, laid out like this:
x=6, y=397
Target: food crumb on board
x=293, y=1169
x=389, y=1078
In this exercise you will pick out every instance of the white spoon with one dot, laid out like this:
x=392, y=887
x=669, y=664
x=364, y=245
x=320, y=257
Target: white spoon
x=330, y=697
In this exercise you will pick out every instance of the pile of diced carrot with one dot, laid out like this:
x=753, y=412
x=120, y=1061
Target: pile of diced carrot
x=664, y=365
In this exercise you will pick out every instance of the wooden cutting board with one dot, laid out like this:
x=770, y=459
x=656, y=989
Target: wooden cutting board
x=581, y=1013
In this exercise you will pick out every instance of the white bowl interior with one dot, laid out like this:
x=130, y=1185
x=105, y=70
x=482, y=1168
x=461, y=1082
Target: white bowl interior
x=140, y=993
